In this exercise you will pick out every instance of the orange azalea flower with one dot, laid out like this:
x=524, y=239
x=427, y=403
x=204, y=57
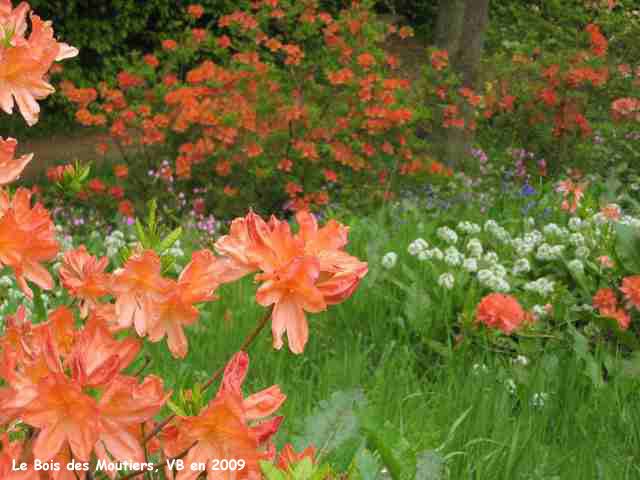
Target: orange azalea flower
x=27, y=237
x=138, y=288
x=63, y=413
x=502, y=312
x=195, y=285
x=619, y=315
x=98, y=357
x=124, y=405
x=11, y=168
x=631, y=290
x=605, y=299
x=25, y=62
x=221, y=430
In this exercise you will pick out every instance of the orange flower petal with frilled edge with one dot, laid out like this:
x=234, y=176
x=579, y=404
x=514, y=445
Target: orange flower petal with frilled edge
x=126, y=403
x=100, y=356
x=84, y=276
x=11, y=168
x=289, y=457
x=62, y=412
x=27, y=237
x=138, y=287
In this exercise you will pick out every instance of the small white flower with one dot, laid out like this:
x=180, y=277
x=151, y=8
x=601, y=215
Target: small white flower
x=446, y=280
x=576, y=239
x=475, y=248
x=510, y=385
x=575, y=223
x=389, y=260
x=501, y=285
x=490, y=225
x=491, y=258
x=479, y=368
x=551, y=229
x=576, y=266
x=470, y=264
x=521, y=266
x=424, y=255
x=531, y=221
x=448, y=235
x=417, y=246
x=539, y=311
x=436, y=253
x=452, y=256
x=486, y=277
x=520, y=360
x=538, y=399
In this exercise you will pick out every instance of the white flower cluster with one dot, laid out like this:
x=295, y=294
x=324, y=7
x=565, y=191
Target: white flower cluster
x=526, y=244
x=576, y=266
x=475, y=248
x=448, y=235
x=497, y=231
x=631, y=221
x=548, y=252
x=551, y=230
x=493, y=280
x=521, y=266
x=389, y=260
x=446, y=280
x=452, y=256
x=542, y=286
x=469, y=227
x=114, y=242
x=539, y=311
x=418, y=246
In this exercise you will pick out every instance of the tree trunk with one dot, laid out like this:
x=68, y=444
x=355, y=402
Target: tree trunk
x=461, y=29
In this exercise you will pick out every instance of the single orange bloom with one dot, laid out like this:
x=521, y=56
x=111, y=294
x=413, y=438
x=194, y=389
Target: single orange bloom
x=27, y=238
x=25, y=63
x=631, y=290
x=503, y=312
x=63, y=413
x=169, y=44
x=605, y=299
x=84, y=277
x=196, y=284
x=195, y=11
x=11, y=168
x=124, y=405
x=138, y=288
x=125, y=207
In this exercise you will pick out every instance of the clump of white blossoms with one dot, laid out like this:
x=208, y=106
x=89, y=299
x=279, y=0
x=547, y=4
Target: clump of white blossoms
x=433, y=253
x=576, y=239
x=576, y=266
x=446, y=280
x=548, y=252
x=538, y=399
x=499, y=270
x=539, y=311
x=542, y=286
x=551, y=229
x=470, y=264
x=521, y=266
x=114, y=242
x=417, y=246
x=491, y=258
x=520, y=360
x=469, y=227
x=452, y=256
x=475, y=248
x=490, y=280
x=389, y=260
x=575, y=223
x=448, y=235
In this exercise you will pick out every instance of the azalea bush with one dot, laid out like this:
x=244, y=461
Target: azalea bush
x=291, y=108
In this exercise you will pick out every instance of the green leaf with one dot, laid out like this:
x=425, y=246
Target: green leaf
x=303, y=469
x=430, y=465
x=168, y=241
x=627, y=247
x=271, y=472
x=175, y=408
x=142, y=236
